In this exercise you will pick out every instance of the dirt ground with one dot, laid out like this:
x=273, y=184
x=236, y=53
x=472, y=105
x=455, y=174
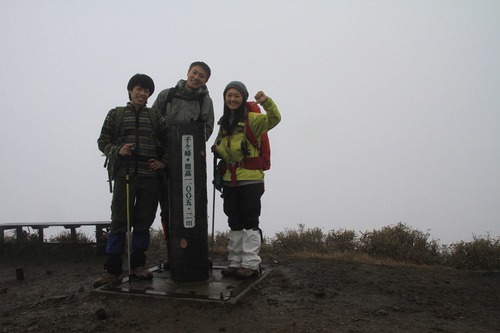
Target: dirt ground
x=297, y=295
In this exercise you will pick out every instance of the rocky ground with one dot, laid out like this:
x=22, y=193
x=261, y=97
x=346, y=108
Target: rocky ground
x=297, y=295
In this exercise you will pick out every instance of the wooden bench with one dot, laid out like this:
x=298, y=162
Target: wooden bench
x=100, y=227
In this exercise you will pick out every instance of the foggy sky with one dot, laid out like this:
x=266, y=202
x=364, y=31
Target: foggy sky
x=391, y=109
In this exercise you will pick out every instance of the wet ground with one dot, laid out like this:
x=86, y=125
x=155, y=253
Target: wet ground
x=297, y=295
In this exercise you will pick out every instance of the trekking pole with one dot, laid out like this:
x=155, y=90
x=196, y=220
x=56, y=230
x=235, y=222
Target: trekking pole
x=213, y=222
x=213, y=208
x=127, y=177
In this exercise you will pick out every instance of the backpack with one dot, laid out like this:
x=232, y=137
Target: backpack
x=265, y=146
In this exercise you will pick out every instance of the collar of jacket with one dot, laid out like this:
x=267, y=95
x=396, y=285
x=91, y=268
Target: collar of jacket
x=187, y=93
x=132, y=107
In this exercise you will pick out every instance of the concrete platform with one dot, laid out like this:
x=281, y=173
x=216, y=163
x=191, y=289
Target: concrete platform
x=216, y=289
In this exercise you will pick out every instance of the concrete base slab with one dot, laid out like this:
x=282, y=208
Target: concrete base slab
x=217, y=288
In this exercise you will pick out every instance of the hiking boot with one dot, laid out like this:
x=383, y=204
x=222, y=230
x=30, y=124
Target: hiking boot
x=104, y=279
x=142, y=273
x=230, y=271
x=245, y=273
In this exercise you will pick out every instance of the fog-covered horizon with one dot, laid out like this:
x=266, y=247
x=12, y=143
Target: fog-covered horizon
x=390, y=108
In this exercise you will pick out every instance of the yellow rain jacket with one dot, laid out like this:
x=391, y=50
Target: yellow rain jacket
x=229, y=147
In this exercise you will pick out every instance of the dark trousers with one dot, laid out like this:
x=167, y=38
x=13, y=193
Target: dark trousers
x=242, y=205
x=164, y=201
x=116, y=248
x=164, y=206
x=143, y=196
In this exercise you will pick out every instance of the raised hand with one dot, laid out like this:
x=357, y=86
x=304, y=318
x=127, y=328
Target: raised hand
x=260, y=97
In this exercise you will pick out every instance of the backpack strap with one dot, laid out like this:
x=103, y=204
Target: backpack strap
x=153, y=120
x=201, y=99
x=154, y=124
x=249, y=134
x=172, y=94
x=120, y=111
x=108, y=163
x=262, y=161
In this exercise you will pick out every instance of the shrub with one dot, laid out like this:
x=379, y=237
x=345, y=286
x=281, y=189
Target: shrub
x=483, y=253
x=157, y=240
x=400, y=243
x=221, y=240
x=301, y=240
x=26, y=235
x=66, y=237
x=342, y=240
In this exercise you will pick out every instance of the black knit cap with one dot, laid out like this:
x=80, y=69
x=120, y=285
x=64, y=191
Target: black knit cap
x=238, y=86
x=143, y=81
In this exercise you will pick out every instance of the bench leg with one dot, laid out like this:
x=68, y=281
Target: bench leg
x=73, y=234
x=40, y=235
x=100, y=240
x=19, y=234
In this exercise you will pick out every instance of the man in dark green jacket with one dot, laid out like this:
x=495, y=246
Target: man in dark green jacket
x=131, y=137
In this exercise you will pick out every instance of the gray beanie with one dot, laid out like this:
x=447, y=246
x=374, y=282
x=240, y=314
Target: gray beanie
x=238, y=86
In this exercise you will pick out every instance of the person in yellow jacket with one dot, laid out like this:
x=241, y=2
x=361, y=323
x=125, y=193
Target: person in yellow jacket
x=243, y=179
